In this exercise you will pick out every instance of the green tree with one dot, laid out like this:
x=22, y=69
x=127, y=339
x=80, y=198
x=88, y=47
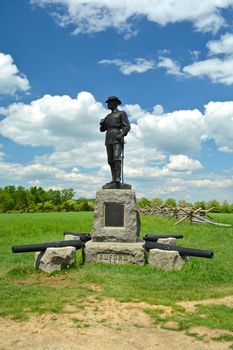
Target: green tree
x=83, y=205
x=69, y=205
x=170, y=202
x=143, y=202
x=48, y=206
x=215, y=205
x=6, y=201
x=67, y=193
x=31, y=205
x=21, y=199
x=91, y=204
x=38, y=193
x=11, y=190
x=225, y=207
x=200, y=204
x=231, y=208
x=156, y=202
x=55, y=196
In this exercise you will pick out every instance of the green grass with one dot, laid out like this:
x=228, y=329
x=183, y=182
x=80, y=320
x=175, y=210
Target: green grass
x=211, y=316
x=24, y=290
x=223, y=337
x=80, y=323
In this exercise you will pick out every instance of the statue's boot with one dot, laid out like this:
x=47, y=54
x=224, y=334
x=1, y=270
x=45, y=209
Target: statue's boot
x=113, y=172
x=118, y=171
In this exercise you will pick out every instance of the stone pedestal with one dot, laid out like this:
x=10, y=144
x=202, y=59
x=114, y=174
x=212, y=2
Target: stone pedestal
x=116, y=217
x=116, y=229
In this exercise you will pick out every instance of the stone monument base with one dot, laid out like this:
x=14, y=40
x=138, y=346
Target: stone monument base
x=116, y=216
x=115, y=252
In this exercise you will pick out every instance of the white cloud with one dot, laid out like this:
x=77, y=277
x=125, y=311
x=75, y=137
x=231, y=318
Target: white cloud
x=177, y=132
x=70, y=126
x=136, y=112
x=58, y=121
x=2, y=154
x=98, y=15
x=219, y=124
x=169, y=65
x=11, y=80
x=218, y=70
x=194, y=54
x=158, y=110
x=210, y=184
x=222, y=46
x=182, y=163
x=88, y=154
x=140, y=65
x=218, y=67
x=179, y=165
x=46, y=175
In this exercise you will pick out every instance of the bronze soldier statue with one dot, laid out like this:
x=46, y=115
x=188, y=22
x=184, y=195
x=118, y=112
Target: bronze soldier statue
x=116, y=125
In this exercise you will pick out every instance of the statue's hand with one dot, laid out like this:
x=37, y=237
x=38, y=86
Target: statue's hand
x=102, y=121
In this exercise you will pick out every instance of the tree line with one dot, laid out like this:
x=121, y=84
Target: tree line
x=37, y=199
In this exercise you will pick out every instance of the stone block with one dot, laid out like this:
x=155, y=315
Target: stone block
x=170, y=240
x=71, y=237
x=115, y=253
x=116, y=216
x=166, y=259
x=54, y=259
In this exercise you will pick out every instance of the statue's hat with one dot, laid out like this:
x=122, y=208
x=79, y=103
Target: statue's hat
x=114, y=98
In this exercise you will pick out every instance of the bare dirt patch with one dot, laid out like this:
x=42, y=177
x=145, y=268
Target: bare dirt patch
x=208, y=333
x=94, y=287
x=100, y=325
x=56, y=280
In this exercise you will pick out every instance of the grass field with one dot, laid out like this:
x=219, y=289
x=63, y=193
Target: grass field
x=24, y=290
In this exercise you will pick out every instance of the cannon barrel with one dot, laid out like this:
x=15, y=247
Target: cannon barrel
x=41, y=247
x=182, y=250
x=155, y=237
x=84, y=237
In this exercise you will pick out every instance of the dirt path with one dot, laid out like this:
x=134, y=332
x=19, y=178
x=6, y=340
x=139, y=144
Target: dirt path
x=105, y=325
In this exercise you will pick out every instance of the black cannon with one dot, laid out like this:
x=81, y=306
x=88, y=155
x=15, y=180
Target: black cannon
x=41, y=247
x=155, y=237
x=182, y=250
x=84, y=237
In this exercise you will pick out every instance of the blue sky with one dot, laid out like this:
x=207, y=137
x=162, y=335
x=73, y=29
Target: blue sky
x=171, y=64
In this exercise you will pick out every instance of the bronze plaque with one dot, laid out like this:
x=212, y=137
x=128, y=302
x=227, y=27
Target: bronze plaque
x=114, y=214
